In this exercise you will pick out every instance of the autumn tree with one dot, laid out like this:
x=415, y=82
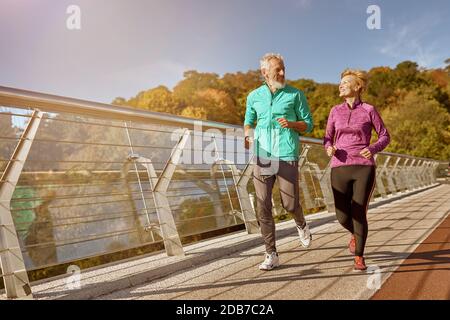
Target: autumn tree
x=418, y=125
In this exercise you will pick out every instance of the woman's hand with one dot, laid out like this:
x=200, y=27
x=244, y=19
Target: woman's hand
x=331, y=150
x=366, y=153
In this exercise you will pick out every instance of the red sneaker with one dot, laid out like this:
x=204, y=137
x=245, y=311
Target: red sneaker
x=360, y=264
x=352, y=245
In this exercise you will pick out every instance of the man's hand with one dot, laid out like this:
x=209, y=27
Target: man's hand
x=284, y=123
x=297, y=125
x=247, y=134
x=247, y=142
x=366, y=153
x=331, y=150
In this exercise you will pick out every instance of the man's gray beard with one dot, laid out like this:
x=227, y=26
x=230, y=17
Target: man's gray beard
x=277, y=85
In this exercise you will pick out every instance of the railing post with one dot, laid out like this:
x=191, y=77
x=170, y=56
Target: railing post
x=302, y=183
x=240, y=181
x=169, y=232
x=403, y=175
x=409, y=175
x=324, y=181
x=379, y=181
x=430, y=172
x=425, y=173
x=422, y=174
x=388, y=175
x=15, y=276
x=392, y=176
x=416, y=171
x=436, y=165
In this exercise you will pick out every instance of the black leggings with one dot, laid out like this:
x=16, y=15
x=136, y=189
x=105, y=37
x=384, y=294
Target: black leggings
x=352, y=188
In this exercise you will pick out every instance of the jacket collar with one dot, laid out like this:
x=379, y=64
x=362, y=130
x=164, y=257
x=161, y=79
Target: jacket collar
x=356, y=104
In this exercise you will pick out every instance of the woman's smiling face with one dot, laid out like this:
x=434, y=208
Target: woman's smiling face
x=349, y=87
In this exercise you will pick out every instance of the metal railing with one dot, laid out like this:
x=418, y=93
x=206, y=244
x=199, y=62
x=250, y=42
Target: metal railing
x=81, y=179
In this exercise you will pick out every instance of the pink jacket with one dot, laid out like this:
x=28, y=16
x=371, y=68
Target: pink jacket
x=350, y=131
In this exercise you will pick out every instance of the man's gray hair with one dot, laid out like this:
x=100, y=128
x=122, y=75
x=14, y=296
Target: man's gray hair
x=264, y=62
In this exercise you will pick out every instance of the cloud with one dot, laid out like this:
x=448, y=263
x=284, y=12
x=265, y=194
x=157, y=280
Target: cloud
x=412, y=41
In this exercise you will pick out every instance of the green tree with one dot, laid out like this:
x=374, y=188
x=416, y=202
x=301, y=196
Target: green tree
x=381, y=88
x=194, y=81
x=321, y=98
x=239, y=85
x=218, y=104
x=419, y=126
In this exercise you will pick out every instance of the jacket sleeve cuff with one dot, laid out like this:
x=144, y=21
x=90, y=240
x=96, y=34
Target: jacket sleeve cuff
x=373, y=149
x=248, y=123
x=309, y=127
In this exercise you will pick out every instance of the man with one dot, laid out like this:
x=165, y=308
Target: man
x=281, y=113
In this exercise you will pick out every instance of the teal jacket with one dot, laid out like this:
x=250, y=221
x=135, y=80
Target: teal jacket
x=271, y=141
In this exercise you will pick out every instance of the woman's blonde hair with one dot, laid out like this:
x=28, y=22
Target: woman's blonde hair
x=360, y=75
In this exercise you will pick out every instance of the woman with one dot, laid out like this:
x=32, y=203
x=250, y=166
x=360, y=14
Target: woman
x=347, y=140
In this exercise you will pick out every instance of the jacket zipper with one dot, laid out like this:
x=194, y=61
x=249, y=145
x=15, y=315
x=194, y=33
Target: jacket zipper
x=349, y=116
x=271, y=125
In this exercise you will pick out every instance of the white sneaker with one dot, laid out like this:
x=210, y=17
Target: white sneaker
x=271, y=261
x=305, y=236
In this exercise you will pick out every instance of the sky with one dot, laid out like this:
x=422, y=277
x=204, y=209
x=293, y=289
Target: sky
x=124, y=47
